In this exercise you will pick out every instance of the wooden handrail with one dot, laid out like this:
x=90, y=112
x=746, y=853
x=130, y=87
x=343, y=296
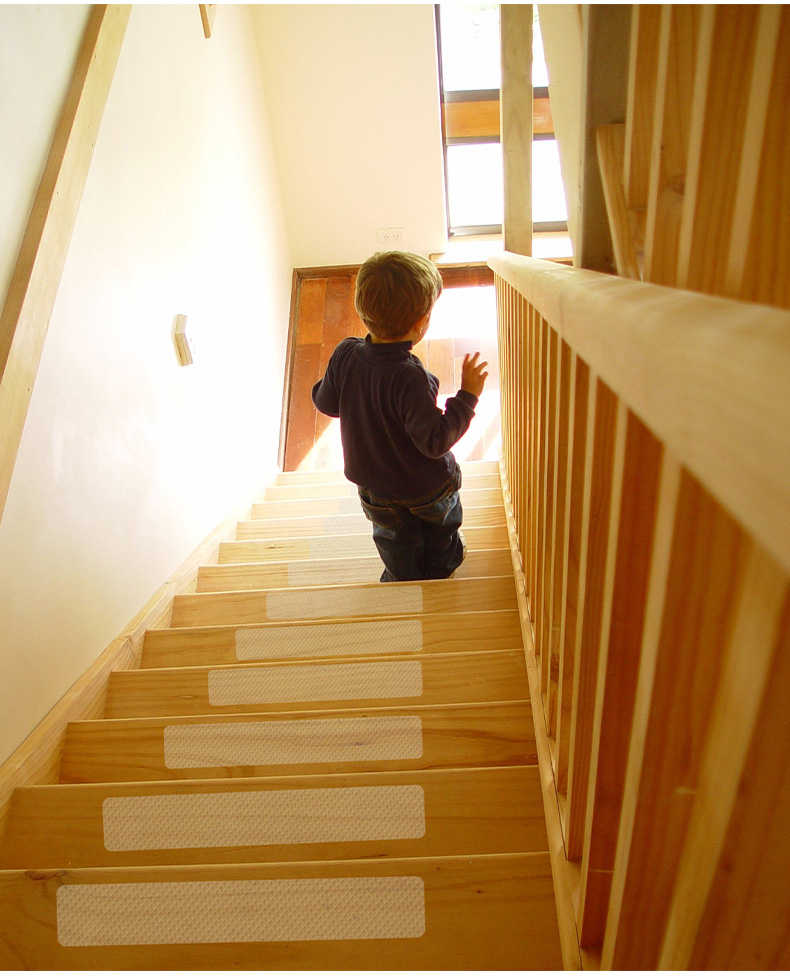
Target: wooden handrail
x=708, y=376
x=36, y=278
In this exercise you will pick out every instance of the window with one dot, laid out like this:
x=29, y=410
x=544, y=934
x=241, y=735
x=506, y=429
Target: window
x=470, y=77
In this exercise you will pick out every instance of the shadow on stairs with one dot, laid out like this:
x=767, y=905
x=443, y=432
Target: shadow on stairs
x=310, y=770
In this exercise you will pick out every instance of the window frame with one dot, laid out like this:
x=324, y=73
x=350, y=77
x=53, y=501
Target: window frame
x=471, y=96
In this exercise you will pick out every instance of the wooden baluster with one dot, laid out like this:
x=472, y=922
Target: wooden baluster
x=574, y=507
x=757, y=263
x=731, y=895
x=725, y=57
x=523, y=424
x=540, y=488
x=688, y=618
x=677, y=50
x=601, y=428
x=559, y=553
x=549, y=517
x=534, y=441
x=640, y=109
x=635, y=482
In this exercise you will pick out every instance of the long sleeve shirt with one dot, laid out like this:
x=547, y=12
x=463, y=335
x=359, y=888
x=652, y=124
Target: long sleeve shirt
x=396, y=440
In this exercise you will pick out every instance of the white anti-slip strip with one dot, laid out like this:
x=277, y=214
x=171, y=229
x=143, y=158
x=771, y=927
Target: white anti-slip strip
x=349, y=506
x=367, y=569
x=298, y=605
x=293, y=742
x=329, y=640
x=256, y=817
x=326, y=547
x=315, y=682
x=284, y=910
x=345, y=524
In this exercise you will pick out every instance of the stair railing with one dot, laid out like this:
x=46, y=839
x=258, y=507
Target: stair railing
x=646, y=448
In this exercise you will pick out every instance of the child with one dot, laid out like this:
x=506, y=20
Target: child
x=396, y=440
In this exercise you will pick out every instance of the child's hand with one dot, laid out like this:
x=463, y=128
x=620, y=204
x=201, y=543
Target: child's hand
x=473, y=377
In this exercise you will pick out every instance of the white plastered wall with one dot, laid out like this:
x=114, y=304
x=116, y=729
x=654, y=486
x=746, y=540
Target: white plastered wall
x=561, y=28
x=353, y=98
x=127, y=459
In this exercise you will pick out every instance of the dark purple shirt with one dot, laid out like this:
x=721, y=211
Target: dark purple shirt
x=396, y=440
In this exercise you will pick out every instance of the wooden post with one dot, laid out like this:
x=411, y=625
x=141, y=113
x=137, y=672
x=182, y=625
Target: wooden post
x=516, y=124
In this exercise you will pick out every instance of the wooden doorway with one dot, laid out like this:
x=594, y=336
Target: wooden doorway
x=323, y=313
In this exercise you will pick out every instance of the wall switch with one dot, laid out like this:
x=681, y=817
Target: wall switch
x=184, y=341
x=390, y=235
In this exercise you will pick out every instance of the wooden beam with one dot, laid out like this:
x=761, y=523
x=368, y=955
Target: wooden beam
x=677, y=52
x=725, y=57
x=482, y=119
x=36, y=278
x=516, y=97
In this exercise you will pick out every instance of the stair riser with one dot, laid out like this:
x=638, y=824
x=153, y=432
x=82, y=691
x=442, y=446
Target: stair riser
x=366, y=740
x=482, y=811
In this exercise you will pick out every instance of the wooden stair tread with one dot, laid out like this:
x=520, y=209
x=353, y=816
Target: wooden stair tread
x=336, y=475
x=348, y=504
x=412, y=737
x=354, y=600
x=481, y=912
x=467, y=811
x=440, y=633
x=337, y=488
x=278, y=550
x=317, y=572
x=286, y=686
x=307, y=525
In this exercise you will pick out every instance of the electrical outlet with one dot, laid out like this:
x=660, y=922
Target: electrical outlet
x=390, y=235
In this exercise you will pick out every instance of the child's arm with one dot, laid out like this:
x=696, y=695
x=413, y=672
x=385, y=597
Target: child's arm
x=432, y=430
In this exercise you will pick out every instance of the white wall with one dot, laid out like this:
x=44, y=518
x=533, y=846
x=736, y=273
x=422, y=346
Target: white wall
x=353, y=98
x=128, y=460
x=561, y=28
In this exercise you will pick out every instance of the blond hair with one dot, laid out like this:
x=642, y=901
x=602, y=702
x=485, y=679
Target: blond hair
x=394, y=290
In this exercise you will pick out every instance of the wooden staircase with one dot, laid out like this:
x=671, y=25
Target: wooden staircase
x=310, y=769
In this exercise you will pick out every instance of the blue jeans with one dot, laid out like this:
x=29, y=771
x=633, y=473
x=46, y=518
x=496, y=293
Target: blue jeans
x=417, y=538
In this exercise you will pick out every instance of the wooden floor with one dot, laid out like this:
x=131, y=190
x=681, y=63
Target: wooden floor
x=339, y=775
x=463, y=321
